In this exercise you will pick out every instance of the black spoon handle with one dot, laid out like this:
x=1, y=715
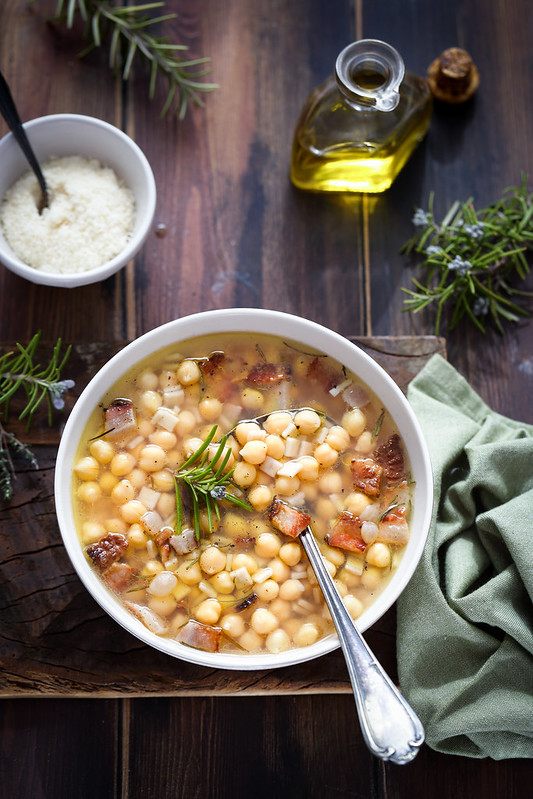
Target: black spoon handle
x=11, y=116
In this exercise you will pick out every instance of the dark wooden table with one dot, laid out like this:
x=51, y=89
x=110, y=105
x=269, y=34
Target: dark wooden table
x=238, y=234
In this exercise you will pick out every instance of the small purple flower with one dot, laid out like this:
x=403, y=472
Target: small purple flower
x=480, y=306
x=421, y=218
x=57, y=390
x=475, y=231
x=434, y=249
x=459, y=266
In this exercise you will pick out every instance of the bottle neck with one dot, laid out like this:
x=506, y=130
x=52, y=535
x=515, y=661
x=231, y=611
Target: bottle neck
x=369, y=74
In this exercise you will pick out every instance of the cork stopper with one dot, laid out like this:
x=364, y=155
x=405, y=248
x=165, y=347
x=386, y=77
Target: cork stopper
x=453, y=76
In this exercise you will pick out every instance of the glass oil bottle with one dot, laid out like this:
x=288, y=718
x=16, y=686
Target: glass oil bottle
x=360, y=126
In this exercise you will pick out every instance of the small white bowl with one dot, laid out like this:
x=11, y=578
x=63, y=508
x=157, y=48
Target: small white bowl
x=310, y=335
x=75, y=134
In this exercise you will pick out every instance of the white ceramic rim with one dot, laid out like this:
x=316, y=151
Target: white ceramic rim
x=297, y=329
x=142, y=223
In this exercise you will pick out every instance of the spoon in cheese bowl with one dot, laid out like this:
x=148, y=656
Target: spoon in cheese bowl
x=390, y=727
x=11, y=116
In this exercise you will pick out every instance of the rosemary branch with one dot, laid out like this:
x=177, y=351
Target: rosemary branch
x=470, y=258
x=20, y=373
x=206, y=482
x=130, y=38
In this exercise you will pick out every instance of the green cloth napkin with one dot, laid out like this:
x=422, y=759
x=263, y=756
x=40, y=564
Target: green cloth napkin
x=465, y=621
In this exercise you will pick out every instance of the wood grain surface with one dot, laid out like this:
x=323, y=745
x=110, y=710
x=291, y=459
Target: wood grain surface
x=230, y=230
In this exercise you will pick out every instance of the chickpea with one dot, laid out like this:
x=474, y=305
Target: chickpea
x=208, y=611
x=267, y=545
x=336, y=556
x=281, y=608
x=188, y=373
x=107, y=482
x=354, y=422
x=190, y=445
x=122, y=464
x=342, y=588
x=371, y=578
x=122, y=492
x=308, y=468
x=206, y=525
x=163, y=605
x=263, y=621
x=87, y=468
x=212, y=560
x=354, y=606
x=267, y=591
x=277, y=641
x=145, y=428
x=223, y=582
x=326, y=509
x=150, y=401
x=92, y=532
x=260, y=497
x=167, y=378
x=291, y=553
x=147, y=380
x=275, y=446
x=186, y=423
x=291, y=590
x=243, y=559
x=101, y=450
x=280, y=570
x=210, y=408
x=151, y=568
x=356, y=502
x=330, y=483
x=162, y=480
x=288, y=486
x=89, y=492
x=252, y=399
x=234, y=525
x=306, y=635
x=164, y=439
x=132, y=511
x=326, y=455
x=338, y=438
x=189, y=572
x=310, y=491
x=136, y=536
x=364, y=443
x=307, y=421
x=166, y=505
x=277, y=422
x=244, y=474
x=254, y=452
x=247, y=431
x=233, y=625
x=152, y=458
x=251, y=641
x=378, y=554
x=116, y=526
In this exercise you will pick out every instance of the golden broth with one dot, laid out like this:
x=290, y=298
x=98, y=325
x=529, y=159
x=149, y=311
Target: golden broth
x=241, y=582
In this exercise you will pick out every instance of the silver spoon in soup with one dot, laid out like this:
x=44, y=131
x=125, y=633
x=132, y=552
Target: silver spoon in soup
x=391, y=728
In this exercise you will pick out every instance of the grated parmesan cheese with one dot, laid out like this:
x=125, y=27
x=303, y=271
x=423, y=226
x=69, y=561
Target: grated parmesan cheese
x=88, y=222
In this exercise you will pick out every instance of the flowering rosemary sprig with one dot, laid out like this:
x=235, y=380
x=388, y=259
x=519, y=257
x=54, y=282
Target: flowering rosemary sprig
x=130, y=36
x=206, y=482
x=470, y=258
x=20, y=373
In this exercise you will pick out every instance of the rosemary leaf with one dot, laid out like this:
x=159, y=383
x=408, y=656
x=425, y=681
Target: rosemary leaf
x=471, y=258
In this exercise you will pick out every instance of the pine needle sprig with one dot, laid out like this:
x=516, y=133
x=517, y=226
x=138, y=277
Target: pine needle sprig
x=128, y=29
x=20, y=373
x=206, y=482
x=470, y=259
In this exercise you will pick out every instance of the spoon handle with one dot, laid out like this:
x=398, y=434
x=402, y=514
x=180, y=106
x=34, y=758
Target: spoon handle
x=391, y=728
x=11, y=116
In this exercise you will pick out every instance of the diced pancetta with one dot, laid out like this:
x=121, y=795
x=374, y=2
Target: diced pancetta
x=390, y=456
x=263, y=375
x=119, y=576
x=120, y=418
x=366, y=475
x=107, y=550
x=286, y=519
x=346, y=533
x=200, y=636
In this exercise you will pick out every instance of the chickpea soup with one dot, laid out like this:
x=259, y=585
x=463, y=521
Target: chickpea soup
x=196, y=475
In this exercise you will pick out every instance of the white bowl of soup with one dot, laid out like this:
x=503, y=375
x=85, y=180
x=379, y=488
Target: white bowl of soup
x=195, y=456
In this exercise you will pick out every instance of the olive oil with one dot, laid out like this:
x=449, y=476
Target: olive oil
x=358, y=128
